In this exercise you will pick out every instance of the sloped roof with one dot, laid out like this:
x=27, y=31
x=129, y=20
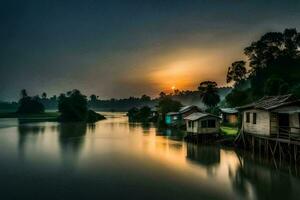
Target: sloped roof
x=229, y=110
x=187, y=108
x=199, y=115
x=173, y=113
x=271, y=102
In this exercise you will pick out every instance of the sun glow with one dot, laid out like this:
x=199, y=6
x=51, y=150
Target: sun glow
x=173, y=87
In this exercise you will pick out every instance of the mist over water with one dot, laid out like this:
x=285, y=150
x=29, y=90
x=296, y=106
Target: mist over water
x=114, y=159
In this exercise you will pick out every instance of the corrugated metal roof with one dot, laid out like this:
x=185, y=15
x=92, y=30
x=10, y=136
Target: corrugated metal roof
x=199, y=115
x=188, y=108
x=288, y=110
x=229, y=110
x=173, y=113
x=271, y=102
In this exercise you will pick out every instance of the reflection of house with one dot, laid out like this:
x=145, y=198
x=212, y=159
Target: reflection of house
x=229, y=115
x=205, y=155
x=177, y=118
x=202, y=123
x=272, y=115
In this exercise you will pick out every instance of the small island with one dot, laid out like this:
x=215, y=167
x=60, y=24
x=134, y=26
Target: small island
x=72, y=107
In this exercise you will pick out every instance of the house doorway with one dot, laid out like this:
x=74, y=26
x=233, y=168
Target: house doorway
x=283, y=123
x=283, y=120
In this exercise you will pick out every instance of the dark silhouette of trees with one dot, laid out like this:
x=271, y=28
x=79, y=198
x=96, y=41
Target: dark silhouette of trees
x=29, y=105
x=73, y=107
x=276, y=86
x=93, y=98
x=145, y=98
x=23, y=93
x=274, y=62
x=162, y=95
x=238, y=97
x=166, y=105
x=209, y=93
x=274, y=54
x=44, y=95
x=237, y=72
x=140, y=115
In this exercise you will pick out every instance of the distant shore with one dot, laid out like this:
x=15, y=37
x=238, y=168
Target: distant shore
x=39, y=117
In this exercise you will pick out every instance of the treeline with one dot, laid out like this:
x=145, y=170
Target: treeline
x=273, y=68
x=187, y=97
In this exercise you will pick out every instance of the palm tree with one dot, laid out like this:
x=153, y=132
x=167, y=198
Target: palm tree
x=23, y=93
x=209, y=93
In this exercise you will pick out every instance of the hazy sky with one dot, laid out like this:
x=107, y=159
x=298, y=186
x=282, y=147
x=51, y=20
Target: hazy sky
x=128, y=47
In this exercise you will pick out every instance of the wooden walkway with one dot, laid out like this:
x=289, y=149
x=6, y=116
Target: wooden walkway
x=282, y=146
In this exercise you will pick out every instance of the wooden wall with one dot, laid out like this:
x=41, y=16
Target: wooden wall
x=196, y=128
x=294, y=122
x=262, y=126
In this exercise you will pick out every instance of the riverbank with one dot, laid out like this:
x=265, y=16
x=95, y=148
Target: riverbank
x=47, y=116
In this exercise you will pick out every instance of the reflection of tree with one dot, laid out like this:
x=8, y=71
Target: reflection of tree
x=26, y=130
x=71, y=136
x=146, y=127
x=207, y=156
x=261, y=179
x=92, y=127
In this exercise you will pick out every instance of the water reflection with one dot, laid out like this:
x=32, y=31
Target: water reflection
x=25, y=132
x=207, y=156
x=71, y=139
x=132, y=156
x=254, y=179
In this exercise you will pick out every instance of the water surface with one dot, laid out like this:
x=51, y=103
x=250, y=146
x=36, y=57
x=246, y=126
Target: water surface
x=114, y=159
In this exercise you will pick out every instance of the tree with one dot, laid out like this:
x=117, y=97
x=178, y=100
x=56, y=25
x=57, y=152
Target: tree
x=73, y=106
x=237, y=72
x=44, y=95
x=29, y=105
x=273, y=47
x=238, y=97
x=23, y=93
x=275, y=54
x=139, y=115
x=166, y=105
x=296, y=90
x=93, y=98
x=209, y=93
x=145, y=98
x=276, y=86
x=162, y=95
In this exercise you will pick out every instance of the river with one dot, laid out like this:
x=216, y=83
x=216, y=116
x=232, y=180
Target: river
x=114, y=159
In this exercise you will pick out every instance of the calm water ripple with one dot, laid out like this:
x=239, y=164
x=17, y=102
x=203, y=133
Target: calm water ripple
x=114, y=159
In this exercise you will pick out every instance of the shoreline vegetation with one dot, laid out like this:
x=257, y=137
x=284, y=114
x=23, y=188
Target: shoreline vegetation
x=72, y=107
x=272, y=68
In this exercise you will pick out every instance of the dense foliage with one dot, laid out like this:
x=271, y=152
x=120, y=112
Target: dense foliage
x=73, y=107
x=209, y=93
x=274, y=67
x=167, y=104
x=29, y=105
x=143, y=114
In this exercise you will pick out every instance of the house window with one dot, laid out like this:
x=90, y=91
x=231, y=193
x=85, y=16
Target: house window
x=211, y=123
x=254, y=118
x=190, y=124
x=247, y=117
x=204, y=124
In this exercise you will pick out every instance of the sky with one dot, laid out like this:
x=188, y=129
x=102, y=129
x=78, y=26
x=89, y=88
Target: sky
x=122, y=48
